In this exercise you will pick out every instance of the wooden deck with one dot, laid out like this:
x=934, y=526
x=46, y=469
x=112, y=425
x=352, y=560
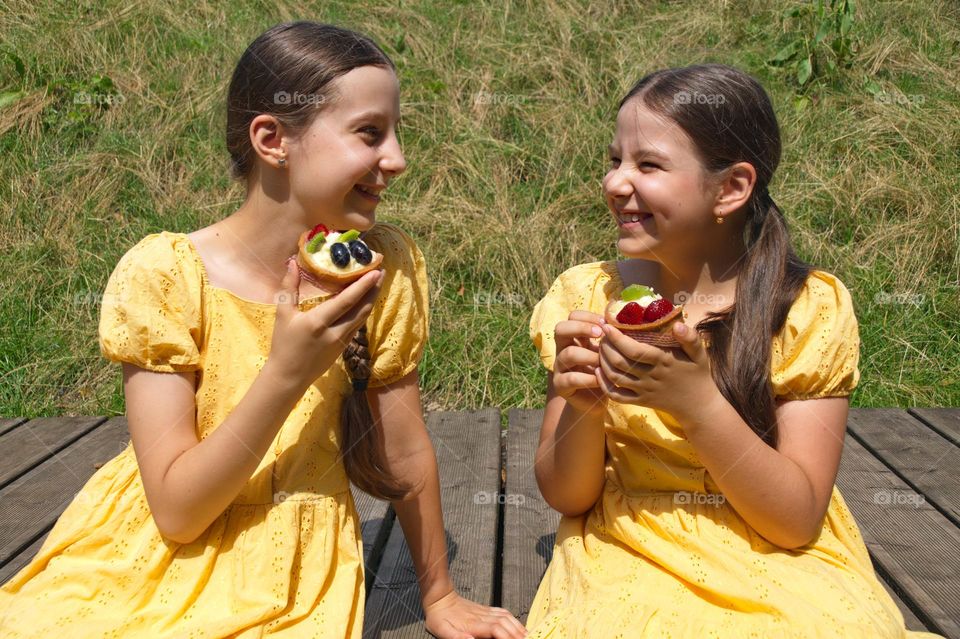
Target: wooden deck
x=898, y=476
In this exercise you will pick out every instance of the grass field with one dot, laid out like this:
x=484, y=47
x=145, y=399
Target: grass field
x=111, y=127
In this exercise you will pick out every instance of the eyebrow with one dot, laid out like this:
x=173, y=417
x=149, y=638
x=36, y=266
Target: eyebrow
x=646, y=153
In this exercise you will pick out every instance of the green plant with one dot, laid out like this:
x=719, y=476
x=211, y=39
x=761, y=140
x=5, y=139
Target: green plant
x=821, y=54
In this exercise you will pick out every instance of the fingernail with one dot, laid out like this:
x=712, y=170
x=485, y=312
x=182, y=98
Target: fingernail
x=596, y=331
x=681, y=329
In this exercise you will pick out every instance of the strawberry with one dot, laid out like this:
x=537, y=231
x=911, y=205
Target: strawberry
x=657, y=309
x=319, y=228
x=632, y=313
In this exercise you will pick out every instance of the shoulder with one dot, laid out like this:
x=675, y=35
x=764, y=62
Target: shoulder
x=165, y=254
x=581, y=278
x=823, y=301
x=396, y=245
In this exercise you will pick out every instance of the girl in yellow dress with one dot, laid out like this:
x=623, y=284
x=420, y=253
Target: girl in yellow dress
x=697, y=483
x=229, y=514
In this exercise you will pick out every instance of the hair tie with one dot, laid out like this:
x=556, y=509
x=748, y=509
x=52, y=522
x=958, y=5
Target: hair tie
x=359, y=384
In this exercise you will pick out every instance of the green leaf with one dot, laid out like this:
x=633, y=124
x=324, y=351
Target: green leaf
x=10, y=97
x=786, y=53
x=846, y=22
x=804, y=71
x=872, y=87
x=823, y=31
x=801, y=103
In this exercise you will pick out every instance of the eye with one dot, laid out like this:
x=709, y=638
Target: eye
x=614, y=161
x=370, y=132
x=649, y=165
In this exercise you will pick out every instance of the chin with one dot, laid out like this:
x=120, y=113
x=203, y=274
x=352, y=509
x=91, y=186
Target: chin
x=632, y=247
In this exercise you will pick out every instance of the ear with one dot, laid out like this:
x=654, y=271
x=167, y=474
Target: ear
x=267, y=139
x=735, y=188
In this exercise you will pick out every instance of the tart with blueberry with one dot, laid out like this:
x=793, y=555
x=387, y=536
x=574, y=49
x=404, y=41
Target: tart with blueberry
x=645, y=316
x=333, y=255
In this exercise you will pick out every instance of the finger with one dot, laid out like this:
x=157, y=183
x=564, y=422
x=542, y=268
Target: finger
x=614, y=393
x=586, y=316
x=690, y=341
x=619, y=378
x=329, y=311
x=574, y=356
x=290, y=285
x=567, y=331
x=619, y=362
x=569, y=383
x=630, y=348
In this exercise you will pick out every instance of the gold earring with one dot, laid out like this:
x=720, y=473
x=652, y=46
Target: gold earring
x=719, y=219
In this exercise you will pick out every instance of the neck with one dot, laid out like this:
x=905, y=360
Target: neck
x=262, y=234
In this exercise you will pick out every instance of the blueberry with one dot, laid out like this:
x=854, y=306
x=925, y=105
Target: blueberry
x=339, y=254
x=360, y=252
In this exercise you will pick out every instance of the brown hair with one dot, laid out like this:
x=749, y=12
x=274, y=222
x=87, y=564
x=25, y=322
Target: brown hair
x=288, y=72
x=729, y=118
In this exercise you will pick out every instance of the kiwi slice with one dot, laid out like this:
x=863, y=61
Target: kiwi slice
x=316, y=242
x=635, y=292
x=352, y=234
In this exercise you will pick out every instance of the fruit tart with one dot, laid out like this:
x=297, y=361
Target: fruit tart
x=645, y=316
x=340, y=257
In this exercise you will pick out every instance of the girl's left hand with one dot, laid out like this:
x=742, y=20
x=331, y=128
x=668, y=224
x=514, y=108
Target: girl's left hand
x=674, y=380
x=453, y=617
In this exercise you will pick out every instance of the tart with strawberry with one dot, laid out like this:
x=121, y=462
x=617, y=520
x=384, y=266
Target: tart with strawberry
x=338, y=256
x=645, y=316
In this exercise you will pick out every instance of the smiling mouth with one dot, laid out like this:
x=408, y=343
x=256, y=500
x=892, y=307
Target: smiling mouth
x=633, y=218
x=369, y=193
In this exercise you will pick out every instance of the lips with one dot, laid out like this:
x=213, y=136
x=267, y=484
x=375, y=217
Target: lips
x=633, y=217
x=371, y=193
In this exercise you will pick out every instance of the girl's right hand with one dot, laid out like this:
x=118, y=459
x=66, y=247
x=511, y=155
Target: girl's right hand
x=578, y=356
x=306, y=343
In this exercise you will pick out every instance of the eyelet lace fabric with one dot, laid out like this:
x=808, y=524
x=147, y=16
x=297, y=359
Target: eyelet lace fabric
x=662, y=553
x=285, y=558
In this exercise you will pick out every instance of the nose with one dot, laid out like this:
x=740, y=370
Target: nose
x=616, y=184
x=392, y=160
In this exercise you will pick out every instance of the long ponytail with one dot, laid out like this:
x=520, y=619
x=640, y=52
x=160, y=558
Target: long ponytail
x=729, y=118
x=361, y=447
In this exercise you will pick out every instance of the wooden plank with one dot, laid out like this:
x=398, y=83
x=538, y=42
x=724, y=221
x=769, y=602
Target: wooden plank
x=6, y=425
x=913, y=546
x=30, y=505
x=376, y=519
x=924, y=459
x=31, y=443
x=529, y=524
x=945, y=421
x=467, y=445
x=22, y=558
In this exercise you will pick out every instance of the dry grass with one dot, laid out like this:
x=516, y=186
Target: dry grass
x=502, y=192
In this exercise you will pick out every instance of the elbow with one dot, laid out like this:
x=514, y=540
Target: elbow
x=176, y=533
x=794, y=539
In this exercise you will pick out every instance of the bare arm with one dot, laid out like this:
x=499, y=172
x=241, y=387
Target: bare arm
x=410, y=458
x=570, y=459
x=784, y=493
x=189, y=483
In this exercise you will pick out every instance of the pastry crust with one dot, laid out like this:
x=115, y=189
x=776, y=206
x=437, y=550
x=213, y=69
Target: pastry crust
x=658, y=333
x=303, y=258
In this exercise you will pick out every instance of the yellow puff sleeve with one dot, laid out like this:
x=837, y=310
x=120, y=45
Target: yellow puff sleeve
x=583, y=287
x=397, y=328
x=150, y=315
x=817, y=351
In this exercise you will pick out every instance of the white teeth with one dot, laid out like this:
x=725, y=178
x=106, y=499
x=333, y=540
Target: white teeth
x=635, y=218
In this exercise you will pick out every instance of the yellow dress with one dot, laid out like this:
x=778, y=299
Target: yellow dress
x=285, y=558
x=661, y=555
